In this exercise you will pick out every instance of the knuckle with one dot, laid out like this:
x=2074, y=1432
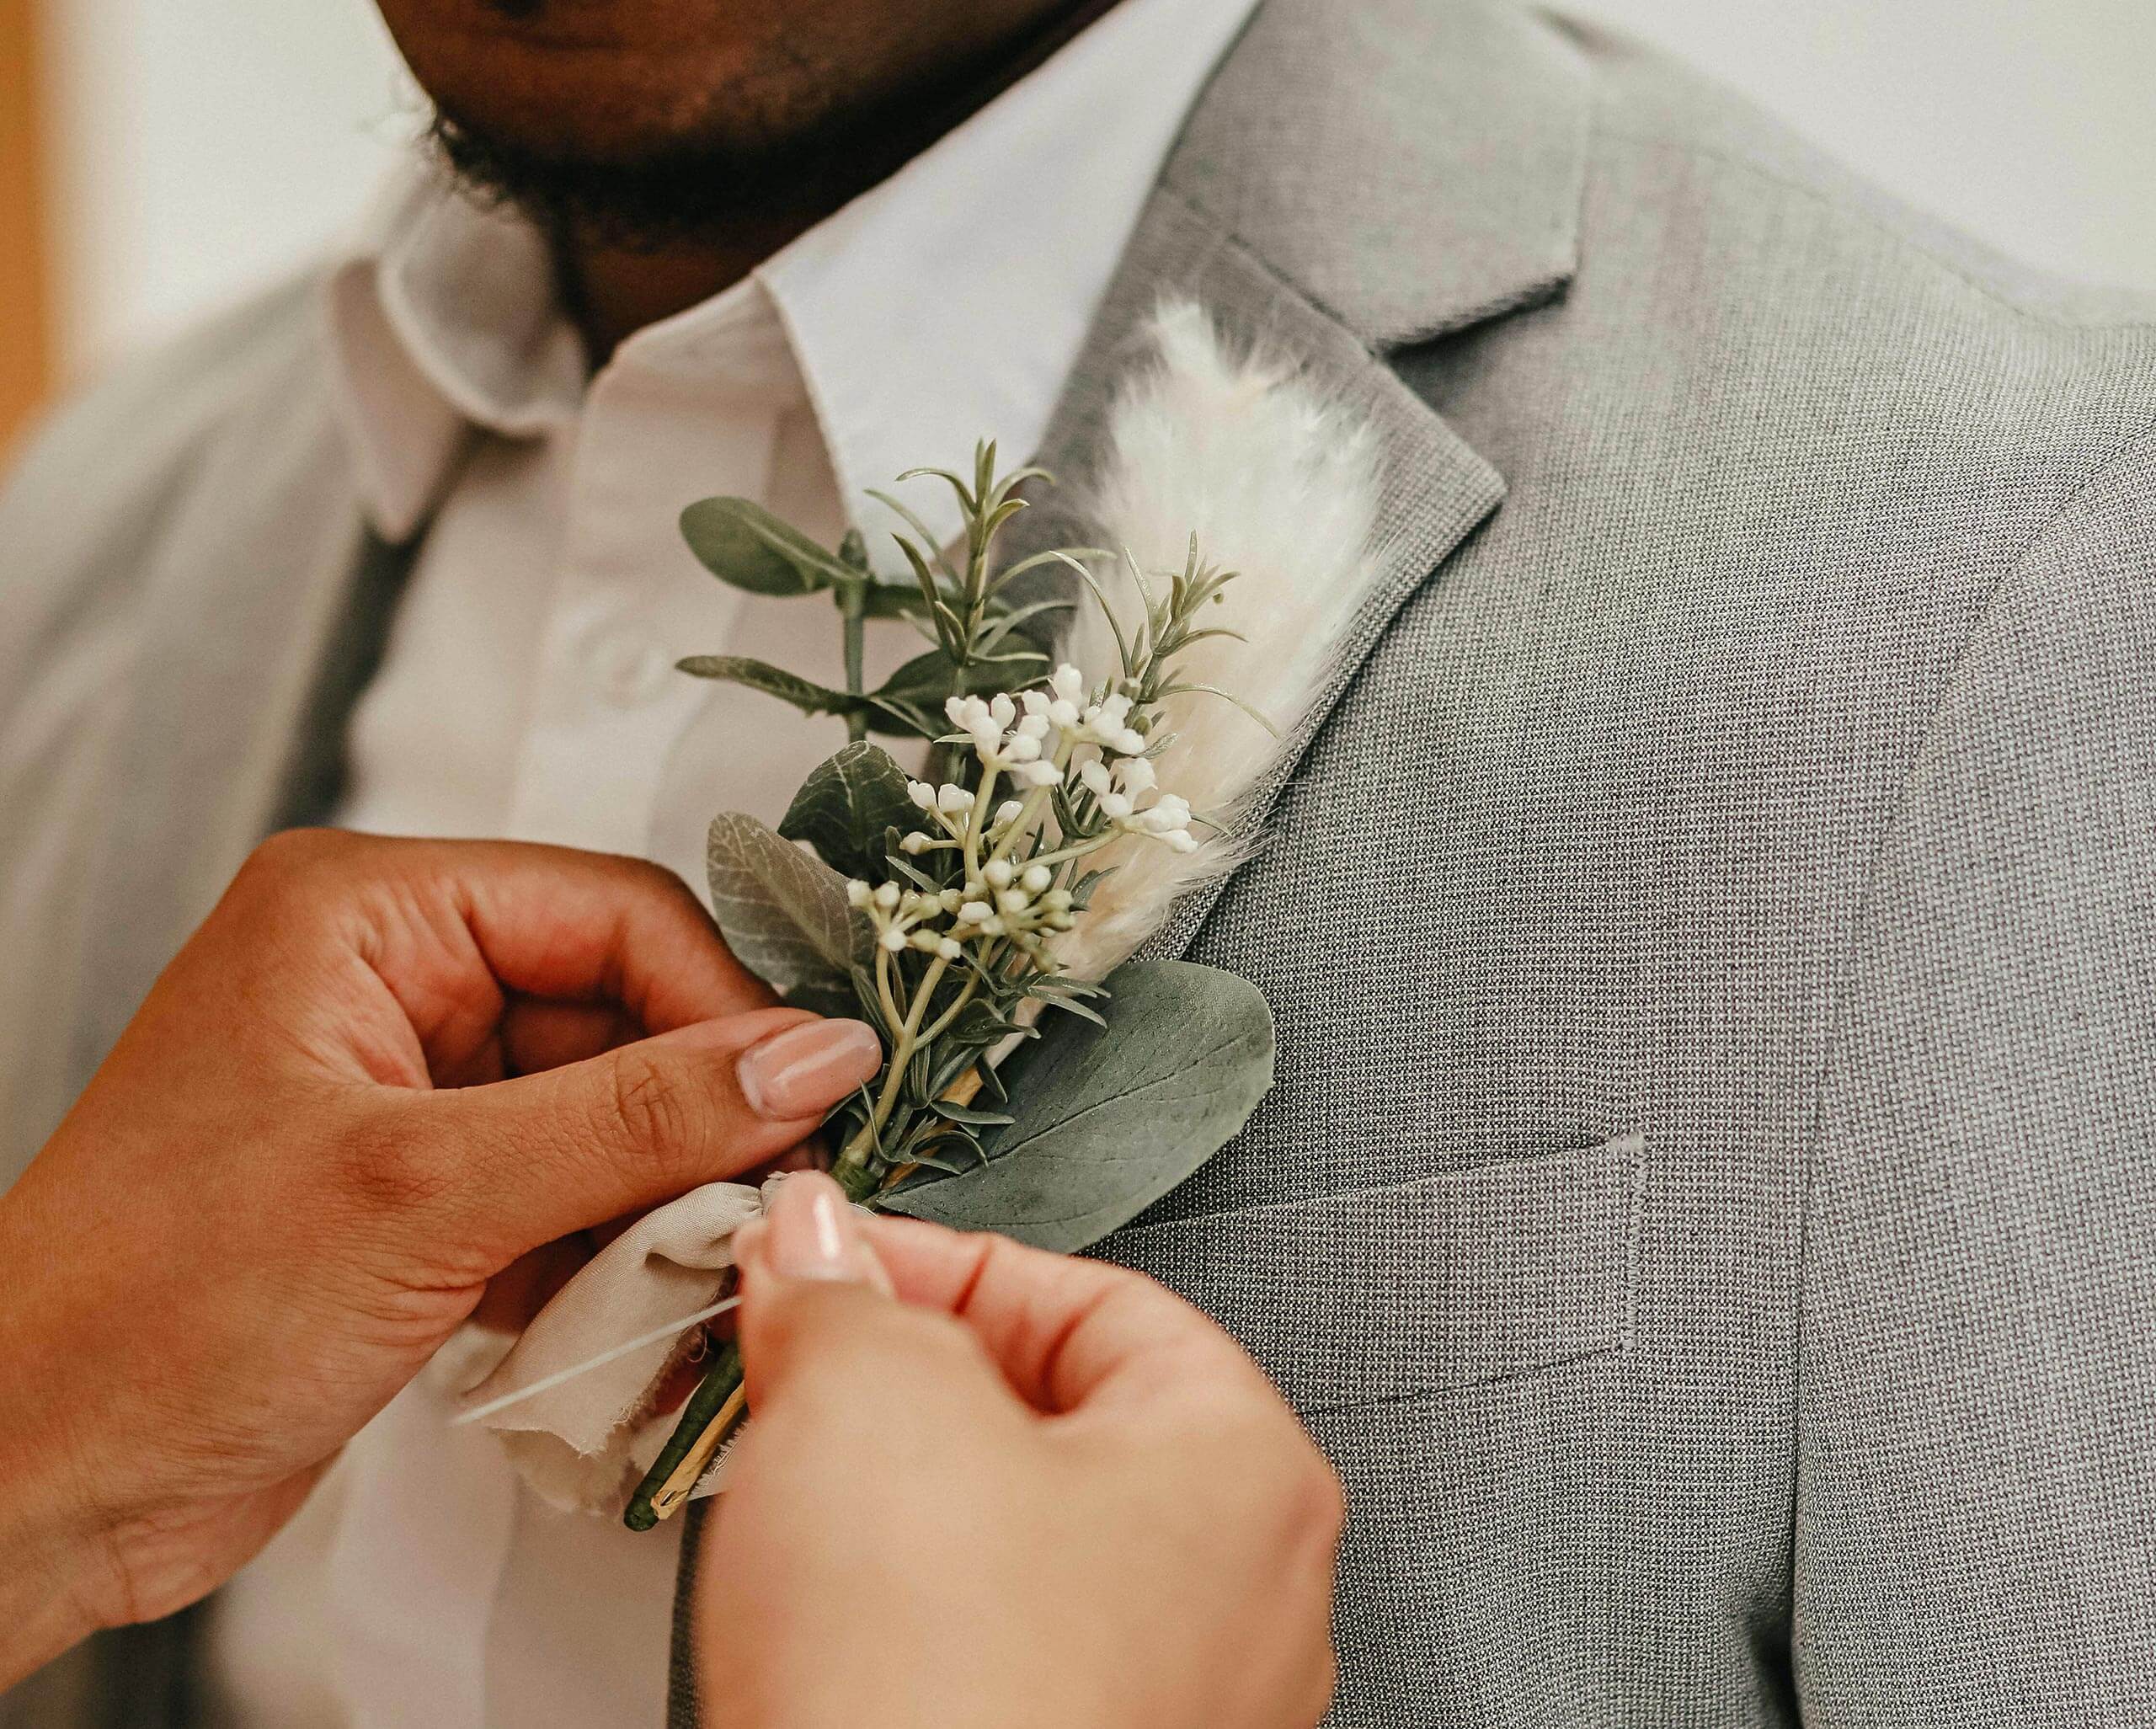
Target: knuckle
x=284, y=872
x=382, y=1168
x=289, y=853
x=653, y=1108
x=1320, y=1500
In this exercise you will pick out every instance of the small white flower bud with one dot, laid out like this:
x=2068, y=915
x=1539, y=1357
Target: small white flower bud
x=921, y=793
x=1115, y=806
x=1002, y=711
x=951, y=899
x=1063, y=715
x=857, y=892
x=951, y=799
x=1181, y=841
x=998, y=873
x=1034, y=702
x=975, y=912
x=914, y=844
x=926, y=941
x=894, y=939
x=949, y=948
x=1129, y=741
x=1068, y=683
x=1034, y=726
x=1136, y=774
x=1095, y=776
x=887, y=895
x=1037, y=879
x=1009, y=812
x=1037, y=774
x=993, y=925
x=1021, y=749
x=1014, y=900
x=1057, y=900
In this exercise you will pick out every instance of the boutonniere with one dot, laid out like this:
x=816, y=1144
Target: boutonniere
x=1039, y=1080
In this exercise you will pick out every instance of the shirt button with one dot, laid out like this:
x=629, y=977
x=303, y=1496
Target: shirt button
x=626, y=667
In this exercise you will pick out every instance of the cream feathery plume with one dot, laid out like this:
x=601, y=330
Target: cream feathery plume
x=1280, y=486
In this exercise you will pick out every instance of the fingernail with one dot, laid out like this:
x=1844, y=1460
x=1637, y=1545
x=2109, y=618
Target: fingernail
x=810, y=1234
x=806, y=1070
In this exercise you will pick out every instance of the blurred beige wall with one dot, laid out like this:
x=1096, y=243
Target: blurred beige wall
x=199, y=146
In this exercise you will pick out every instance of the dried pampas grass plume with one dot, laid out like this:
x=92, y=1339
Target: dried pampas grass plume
x=1280, y=486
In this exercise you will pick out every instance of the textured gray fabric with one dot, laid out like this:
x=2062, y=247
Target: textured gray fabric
x=684, y=1700
x=1705, y=1210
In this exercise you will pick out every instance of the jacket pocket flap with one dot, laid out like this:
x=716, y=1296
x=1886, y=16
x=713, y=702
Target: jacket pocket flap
x=1390, y=1293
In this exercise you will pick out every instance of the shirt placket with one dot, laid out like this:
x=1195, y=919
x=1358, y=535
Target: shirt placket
x=609, y=703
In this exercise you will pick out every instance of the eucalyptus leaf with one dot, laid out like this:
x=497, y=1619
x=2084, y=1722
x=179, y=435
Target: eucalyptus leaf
x=847, y=805
x=773, y=681
x=782, y=913
x=927, y=680
x=1108, y=1119
x=743, y=544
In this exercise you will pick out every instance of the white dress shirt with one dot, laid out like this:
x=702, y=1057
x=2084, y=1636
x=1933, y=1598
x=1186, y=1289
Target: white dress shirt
x=528, y=691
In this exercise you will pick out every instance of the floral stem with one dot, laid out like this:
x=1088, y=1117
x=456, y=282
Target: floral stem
x=704, y=1405
x=853, y=610
x=909, y=1041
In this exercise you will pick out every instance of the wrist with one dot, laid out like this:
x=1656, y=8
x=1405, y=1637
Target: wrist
x=53, y=1578
x=58, y=1567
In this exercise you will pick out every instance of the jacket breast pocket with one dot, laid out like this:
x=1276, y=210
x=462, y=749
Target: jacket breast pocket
x=1382, y=1293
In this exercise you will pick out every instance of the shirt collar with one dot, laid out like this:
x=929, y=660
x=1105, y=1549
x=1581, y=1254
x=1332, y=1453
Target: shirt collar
x=944, y=305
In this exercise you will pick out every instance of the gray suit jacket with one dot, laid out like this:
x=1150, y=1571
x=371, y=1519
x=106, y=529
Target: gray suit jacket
x=1706, y=1208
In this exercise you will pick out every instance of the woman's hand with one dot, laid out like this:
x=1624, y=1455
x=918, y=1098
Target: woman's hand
x=1028, y=1490
x=381, y=1073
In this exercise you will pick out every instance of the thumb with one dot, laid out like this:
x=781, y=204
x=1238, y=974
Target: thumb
x=518, y=1163
x=820, y=1330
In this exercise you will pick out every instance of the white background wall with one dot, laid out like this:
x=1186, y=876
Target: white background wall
x=205, y=143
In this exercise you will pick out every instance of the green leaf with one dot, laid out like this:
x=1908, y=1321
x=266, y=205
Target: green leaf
x=916, y=690
x=966, y=1113
x=925, y=678
x=894, y=600
x=847, y=805
x=782, y=913
x=1108, y=1120
x=743, y=544
x=773, y=681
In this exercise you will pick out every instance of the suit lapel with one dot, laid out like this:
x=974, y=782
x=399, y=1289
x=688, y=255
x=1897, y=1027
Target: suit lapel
x=1434, y=489
x=1450, y=197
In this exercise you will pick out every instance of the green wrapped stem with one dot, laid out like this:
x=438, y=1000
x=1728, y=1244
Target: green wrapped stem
x=712, y=1392
x=717, y=1385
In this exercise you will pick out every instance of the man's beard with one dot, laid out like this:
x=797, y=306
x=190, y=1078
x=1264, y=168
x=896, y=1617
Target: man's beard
x=674, y=193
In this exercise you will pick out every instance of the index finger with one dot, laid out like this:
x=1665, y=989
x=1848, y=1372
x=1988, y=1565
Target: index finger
x=1064, y=1332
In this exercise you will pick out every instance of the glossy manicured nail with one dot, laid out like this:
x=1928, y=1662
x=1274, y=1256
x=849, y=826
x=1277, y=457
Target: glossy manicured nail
x=806, y=1070
x=808, y=1234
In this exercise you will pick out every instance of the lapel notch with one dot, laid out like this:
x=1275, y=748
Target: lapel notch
x=1361, y=175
